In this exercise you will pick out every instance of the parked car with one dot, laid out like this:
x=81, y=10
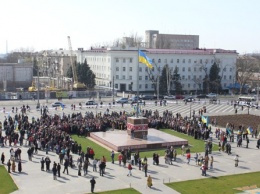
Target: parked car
x=148, y=97
x=57, y=104
x=202, y=96
x=91, y=102
x=179, y=97
x=170, y=97
x=122, y=100
x=189, y=99
x=211, y=95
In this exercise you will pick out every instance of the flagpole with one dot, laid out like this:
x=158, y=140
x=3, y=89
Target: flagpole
x=137, y=84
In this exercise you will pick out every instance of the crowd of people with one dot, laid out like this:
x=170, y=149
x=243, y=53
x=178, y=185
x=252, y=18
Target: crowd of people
x=53, y=133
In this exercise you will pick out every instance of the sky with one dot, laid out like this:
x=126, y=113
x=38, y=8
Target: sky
x=45, y=24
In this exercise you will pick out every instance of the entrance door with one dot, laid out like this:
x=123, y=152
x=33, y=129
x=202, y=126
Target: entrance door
x=122, y=87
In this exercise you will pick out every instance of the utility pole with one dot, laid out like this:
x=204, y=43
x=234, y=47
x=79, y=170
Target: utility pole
x=158, y=76
x=38, y=89
x=113, y=88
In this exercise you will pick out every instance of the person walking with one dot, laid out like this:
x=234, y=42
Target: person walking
x=145, y=169
x=54, y=171
x=85, y=167
x=129, y=170
x=19, y=166
x=94, y=163
x=236, y=160
x=92, y=183
x=112, y=156
x=3, y=158
x=149, y=182
x=247, y=142
x=188, y=158
x=58, y=169
x=48, y=162
x=66, y=165
x=9, y=166
x=203, y=170
x=42, y=163
x=13, y=166
x=211, y=162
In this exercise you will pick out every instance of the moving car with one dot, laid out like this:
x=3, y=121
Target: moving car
x=57, y=104
x=91, y=102
x=211, y=95
x=180, y=96
x=189, y=99
x=202, y=96
x=148, y=97
x=122, y=100
x=170, y=97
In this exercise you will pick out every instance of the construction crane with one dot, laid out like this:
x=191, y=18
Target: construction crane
x=76, y=85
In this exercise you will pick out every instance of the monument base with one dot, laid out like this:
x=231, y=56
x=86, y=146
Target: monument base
x=137, y=127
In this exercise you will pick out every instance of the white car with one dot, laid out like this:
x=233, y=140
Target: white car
x=212, y=95
x=170, y=97
x=122, y=100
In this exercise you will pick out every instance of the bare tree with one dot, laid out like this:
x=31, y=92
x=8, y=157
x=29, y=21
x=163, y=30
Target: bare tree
x=153, y=76
x=246, y=67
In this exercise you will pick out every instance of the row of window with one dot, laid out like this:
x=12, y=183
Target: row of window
x=189, y=77
x=183, y=69
x=146, y=86
x=199, y=61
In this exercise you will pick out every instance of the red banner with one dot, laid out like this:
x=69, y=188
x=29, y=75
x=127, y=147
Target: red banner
x=143, y=127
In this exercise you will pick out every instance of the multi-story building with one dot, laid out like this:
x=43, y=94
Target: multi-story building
x=170, y=41
x=121, y=67
x=15, y=75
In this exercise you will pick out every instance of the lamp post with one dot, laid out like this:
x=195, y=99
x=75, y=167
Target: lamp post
x=110, y=86
x=38, y=88
x=113, y=88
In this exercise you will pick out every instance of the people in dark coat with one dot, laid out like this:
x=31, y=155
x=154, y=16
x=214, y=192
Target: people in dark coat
x=48, y=162
x=42, y=164
x=20, y=166
x=9, y=166
x=66, y=165
x=54, y=171
x=3, y=158
x=92, y=182
x=58, y=169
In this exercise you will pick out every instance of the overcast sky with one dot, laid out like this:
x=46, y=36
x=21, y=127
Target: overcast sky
x=45, y=24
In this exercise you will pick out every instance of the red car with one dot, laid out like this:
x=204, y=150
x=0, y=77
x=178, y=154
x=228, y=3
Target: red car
x=180, y=97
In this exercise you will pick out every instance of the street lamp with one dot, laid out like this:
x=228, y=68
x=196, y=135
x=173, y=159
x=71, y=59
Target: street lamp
x=38, y=88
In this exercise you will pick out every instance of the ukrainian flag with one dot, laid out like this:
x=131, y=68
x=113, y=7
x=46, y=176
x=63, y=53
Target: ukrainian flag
x=249, y=130
x=144, y=59
x=204, y=120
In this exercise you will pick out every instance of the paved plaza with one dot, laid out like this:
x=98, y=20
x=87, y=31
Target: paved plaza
x=32, y=180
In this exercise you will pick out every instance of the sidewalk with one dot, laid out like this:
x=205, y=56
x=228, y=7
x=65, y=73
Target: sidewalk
x=33, y=180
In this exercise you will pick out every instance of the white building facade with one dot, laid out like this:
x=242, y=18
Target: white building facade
x=120, y=67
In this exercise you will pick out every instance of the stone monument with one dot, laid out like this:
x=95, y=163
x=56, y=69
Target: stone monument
x=137, y=127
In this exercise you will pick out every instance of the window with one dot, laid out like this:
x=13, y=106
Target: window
x=116, y=86
x=146, y=86
x=188, y=68
x=131, y=60
x=195, y=69
x=140, y=77
x=117, y=76
x=225, y=77
x=230, y=69
x=224, y=69
x=225, y=85
x=153, y=60
x=200, y=69
x=200, y=76
x=140, y=69
x=189, y=61
x=130, y=77
x=230, y=77
x=188, y=77
x=140, y=86
x=117, y=68
x=130, y=68
x=123, y=76
x=183, y=77
x=183, y=69
x=178, y=60
x=123, y=68
x=123, y=60
x=188, y=85
x=146, y=77
x=117, y=60
x=183, y=60
x=146, y=69
x=159, y=60
x=171, y=60
x=194, y=77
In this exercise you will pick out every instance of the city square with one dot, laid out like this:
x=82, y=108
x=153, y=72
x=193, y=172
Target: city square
x=32, y=178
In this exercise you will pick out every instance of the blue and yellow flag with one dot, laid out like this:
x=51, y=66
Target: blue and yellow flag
x=249, y=130
x=144, y=59
x=205, y=120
